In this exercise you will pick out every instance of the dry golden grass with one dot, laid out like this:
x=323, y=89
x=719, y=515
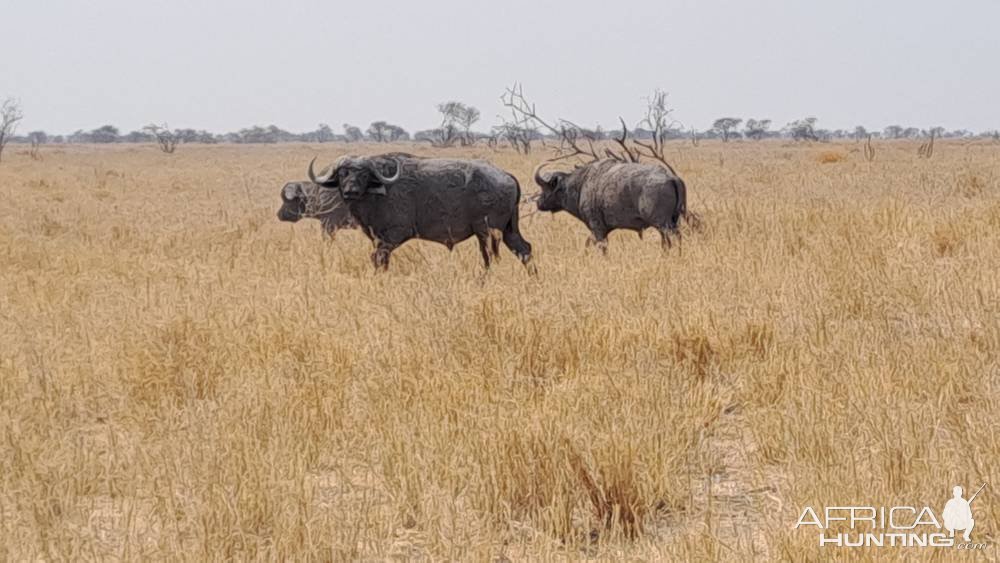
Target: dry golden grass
x=183, y=376
x=831, y=157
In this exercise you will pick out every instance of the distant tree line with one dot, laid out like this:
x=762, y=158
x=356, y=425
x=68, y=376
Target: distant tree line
x=457, y=122
x=806, y=129
x=379, y=131
x=725, y=129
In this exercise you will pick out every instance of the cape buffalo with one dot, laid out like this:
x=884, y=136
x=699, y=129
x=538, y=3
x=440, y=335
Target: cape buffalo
x=608, y=194
x=397, y=198
x=307, y=200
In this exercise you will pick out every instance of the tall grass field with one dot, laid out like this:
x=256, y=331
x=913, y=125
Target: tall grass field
x=184, y=377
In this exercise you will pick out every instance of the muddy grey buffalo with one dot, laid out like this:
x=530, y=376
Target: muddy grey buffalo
x=608, y=194
x=305, y=199
x=397, y=198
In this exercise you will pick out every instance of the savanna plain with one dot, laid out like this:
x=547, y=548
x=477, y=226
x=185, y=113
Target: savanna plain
x=182, y=376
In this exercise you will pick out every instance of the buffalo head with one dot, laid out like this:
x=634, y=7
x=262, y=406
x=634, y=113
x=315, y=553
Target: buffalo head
x=293, y=202
x=553, y=187
x=358, y=177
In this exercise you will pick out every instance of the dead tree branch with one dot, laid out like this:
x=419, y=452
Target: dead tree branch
x=525, y=116
x=869, y=150
x=577, y=142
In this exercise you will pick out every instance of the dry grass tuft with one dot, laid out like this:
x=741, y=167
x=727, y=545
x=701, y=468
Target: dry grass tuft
x=831, y=157
x=970, y=184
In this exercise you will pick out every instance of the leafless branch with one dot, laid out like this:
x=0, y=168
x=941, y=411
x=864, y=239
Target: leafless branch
x=577, y=142
x=10, y=115
x=869, y=150
x=630, y=155
x=525, y=116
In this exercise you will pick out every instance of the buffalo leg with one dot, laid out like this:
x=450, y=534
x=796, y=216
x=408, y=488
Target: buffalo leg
x=380, y=258
x=665, y=232
x=484, y=240
x=516, y=243
x=495, y=245
x=602, y=245
x=599, y=238
x=665, y=235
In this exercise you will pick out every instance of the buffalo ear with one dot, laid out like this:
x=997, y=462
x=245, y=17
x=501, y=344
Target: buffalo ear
x=291, y=191
x=556, y=181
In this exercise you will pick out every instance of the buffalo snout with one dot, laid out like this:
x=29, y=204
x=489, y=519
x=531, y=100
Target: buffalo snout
x=548, y=203
x=352, y=193
x=284, y=214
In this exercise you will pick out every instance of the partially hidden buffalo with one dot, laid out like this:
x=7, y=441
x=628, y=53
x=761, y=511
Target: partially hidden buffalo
x=305, y=199
x=609, y=194
x=396, y=198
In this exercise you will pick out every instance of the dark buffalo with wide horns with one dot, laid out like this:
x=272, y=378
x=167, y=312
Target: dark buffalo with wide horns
x=397, y=198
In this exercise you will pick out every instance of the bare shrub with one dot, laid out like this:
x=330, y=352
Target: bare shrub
x=10, y=116
x=165, y=138
x=926, y=149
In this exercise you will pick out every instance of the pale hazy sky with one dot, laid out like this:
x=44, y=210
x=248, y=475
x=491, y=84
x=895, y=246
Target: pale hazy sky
x=225, y=65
